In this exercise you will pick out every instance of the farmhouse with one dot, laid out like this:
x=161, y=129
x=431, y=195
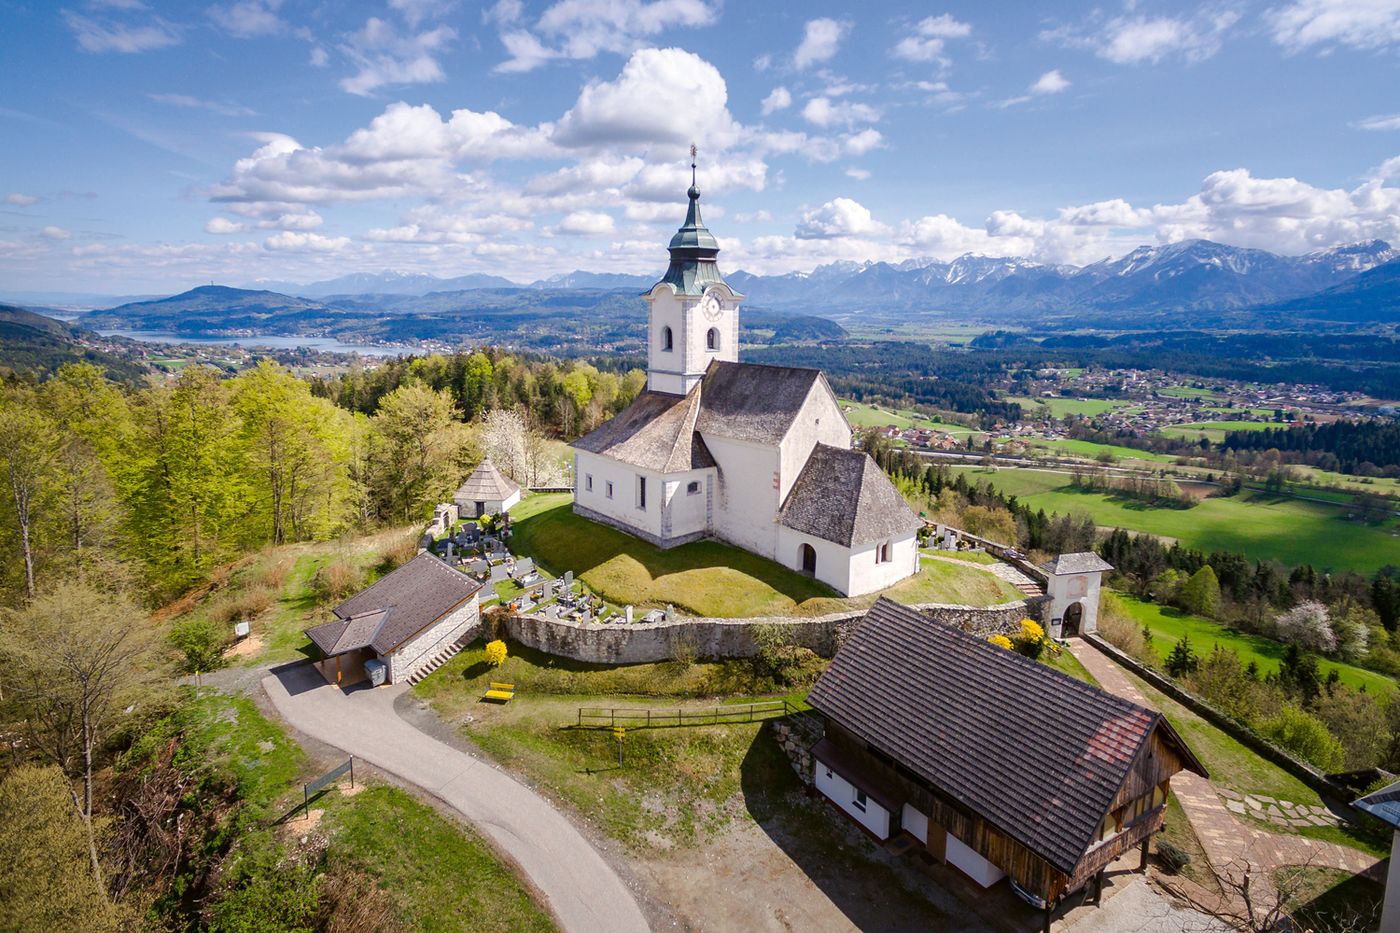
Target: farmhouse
x=759, y=456
x=997, y=764
x=487, y=491
x=407, y=622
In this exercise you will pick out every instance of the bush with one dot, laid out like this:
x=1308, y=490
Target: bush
x=684, y=650
x=337, y=580
x=496, y=653
x=1200, y=594
x=272, y=575
x=248, y=603
x=1001, y=641
x=1030, y=641
x=1304, y=735
x=1119, y=630
x=201, y=642
x=398, y=553
x=1172, y=856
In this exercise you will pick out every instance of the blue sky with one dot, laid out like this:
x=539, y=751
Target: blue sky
x=154, y=146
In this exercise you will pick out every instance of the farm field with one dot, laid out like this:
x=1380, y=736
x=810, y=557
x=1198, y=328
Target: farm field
x=707, y=578
x=1214, y=431
x=1170, y=625
x=861, y=415
x=1091, y=450
x=1286, y=530
x=1062, y=407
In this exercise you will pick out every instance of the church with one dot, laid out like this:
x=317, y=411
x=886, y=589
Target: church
x=756, y=456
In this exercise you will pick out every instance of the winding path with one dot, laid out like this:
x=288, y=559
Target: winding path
x=582, y=890
x=1230, y=844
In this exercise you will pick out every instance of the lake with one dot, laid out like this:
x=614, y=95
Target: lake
x=268, y=341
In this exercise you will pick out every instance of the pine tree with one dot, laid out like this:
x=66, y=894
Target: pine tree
x=1183, y=659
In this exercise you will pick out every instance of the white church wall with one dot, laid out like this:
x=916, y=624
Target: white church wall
x=688, y=512
x=819, y=422
x=746, y=499
x=1067, y=589
x=664, y=367
x=833, y=560
x=593, y=473
x=867, y=575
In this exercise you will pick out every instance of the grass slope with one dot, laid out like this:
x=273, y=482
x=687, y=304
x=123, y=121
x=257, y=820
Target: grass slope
x=1261, y=527
x=861, y=415
x=1170, y=625
x=1063, y=407
x=707, y=578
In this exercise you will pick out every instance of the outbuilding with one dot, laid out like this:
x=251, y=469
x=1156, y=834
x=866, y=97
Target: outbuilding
x=997, y=764
x=410, y=621
x=487, y=491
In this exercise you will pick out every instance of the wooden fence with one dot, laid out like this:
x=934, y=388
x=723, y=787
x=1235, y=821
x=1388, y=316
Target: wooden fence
x=634, y=717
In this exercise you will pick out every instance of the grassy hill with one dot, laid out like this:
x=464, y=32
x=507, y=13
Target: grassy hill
x=37, y=345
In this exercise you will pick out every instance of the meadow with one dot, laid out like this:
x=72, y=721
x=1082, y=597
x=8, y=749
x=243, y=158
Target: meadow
x=861, y=415
x=1063, y=407
x=1260, y=526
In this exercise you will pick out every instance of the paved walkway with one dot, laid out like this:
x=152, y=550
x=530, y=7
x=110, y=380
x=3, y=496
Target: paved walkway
x=1230, y=844
x=581, y=889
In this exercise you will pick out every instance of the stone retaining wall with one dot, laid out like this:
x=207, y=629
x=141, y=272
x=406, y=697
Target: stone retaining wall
x=646, y=642
x=795, y=735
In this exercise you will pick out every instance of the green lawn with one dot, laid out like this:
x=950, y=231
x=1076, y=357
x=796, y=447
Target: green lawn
x=1092, y=450
x=861, y=415
x=1234, y=766
x=1215, y=431
x=707, y=578
x=1063, y=407
x=1261, y=527
x=1169, y=625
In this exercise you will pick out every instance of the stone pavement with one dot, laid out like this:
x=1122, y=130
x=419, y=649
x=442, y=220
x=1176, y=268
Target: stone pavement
x=579, y=886
x=1230, y=844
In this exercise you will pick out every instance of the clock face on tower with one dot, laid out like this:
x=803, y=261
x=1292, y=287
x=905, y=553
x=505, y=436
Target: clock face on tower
x=710, y=307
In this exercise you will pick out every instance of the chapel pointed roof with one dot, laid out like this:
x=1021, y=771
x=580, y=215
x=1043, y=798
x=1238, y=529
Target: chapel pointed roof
x=487, y=483
x=693, y=250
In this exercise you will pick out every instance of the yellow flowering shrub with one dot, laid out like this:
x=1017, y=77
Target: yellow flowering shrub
x=1001, y=641
x=496, y=653
x=1031, y=630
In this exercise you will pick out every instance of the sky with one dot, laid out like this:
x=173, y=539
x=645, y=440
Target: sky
x=152, y=146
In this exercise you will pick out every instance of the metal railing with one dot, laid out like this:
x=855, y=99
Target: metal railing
x=635, y=717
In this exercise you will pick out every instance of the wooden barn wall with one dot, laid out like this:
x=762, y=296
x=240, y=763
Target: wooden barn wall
x=1157, y=763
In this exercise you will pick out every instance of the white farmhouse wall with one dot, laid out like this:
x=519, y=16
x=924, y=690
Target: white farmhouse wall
x=819, y=421
x=746, y=500
x=843, y=793
x=867, y=575
x=916, y=822
x=452, y=628
x=971, y=864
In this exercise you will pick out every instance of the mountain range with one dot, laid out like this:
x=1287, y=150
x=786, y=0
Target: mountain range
x=1195, y=283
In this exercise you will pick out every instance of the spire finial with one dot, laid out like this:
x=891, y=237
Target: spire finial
x=693, y=151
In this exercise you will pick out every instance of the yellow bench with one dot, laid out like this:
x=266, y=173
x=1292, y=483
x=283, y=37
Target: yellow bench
x=500, y=692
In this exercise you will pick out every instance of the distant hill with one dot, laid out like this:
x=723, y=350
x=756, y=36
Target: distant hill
x=387, y=283
x=37, y=345
x=215, y=310
x=1374, y=295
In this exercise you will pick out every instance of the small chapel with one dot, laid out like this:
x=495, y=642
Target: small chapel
x=756, y=456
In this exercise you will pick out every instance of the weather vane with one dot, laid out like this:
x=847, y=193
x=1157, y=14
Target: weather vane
x=693, y=151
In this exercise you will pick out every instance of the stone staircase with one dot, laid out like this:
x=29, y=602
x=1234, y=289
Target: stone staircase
x=1027, y=585
x=437, y=661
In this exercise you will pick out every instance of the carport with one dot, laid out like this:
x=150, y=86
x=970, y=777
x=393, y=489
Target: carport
x=345, y=646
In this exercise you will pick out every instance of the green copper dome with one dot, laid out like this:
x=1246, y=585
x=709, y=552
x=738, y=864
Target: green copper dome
x=693, y=250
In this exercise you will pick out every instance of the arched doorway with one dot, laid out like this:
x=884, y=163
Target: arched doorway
x=807, y=555
x=1074, y=615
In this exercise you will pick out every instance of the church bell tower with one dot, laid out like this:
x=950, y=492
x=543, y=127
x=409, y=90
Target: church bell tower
x=694, y=315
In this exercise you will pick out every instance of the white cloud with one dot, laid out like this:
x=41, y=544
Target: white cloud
x=1052, y=82
x=1361, y=24
x=586, y=223
x=248, y=19
x=663, y=96
x=1135, y=39
x=929, y=37
x=582, y=29
x=386, y=56
x=754, y=217
x=54, y=233
x=21, y=200
x=111, y=35
x=213, y=106
x=859, y=174
x=860, y=143
x=839, y=217
x=415, y=12
x=821, y=38
x=223, y=226
x=319, y=58
x=307, y=242
x=822, y=111
x=1391, y=122
x=779, y=99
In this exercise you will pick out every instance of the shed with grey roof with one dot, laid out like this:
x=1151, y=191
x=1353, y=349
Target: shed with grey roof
x=487, y=491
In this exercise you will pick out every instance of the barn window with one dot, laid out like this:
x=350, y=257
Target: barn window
x=692, y=488
x=666, y=341
x=859, y=800
x=712, y=339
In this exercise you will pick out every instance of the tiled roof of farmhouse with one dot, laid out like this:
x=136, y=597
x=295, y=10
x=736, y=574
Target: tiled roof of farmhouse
x=487, y=483
x=656, y=432
x=844, y=497
x=1085, y=562
x=400, y=605
x=1034, y=752
x=753, y=402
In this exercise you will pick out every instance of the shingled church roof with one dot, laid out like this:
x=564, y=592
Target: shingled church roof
x=1036, y=753
x=656, y=432
x=844, y=497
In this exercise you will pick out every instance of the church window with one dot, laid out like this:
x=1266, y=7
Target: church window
x=588, y=481
x=692, y=488
x=642, y=493
x=609, y=489
x=712, y=339
x=666, y=342
x=882, y=553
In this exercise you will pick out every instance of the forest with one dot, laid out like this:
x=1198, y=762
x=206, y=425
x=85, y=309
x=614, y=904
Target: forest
x=1363, y=448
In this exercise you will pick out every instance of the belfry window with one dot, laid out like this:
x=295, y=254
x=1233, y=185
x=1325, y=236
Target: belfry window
x=667, y=343
x=712, y=339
